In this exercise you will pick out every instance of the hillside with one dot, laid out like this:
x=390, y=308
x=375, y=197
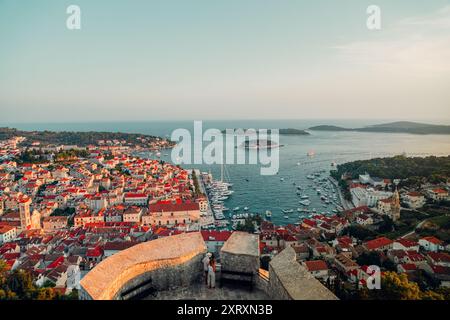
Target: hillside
x=75, y=138
x=394, y=127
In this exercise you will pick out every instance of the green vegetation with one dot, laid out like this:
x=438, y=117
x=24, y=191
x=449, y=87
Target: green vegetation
x=397, y=287
x=38, y=156
x=433, y=169
x=438, y=226
x=18, y=285
x=288, y=131
x=74, y=138
x=374, y=258
x=197, y=192
x=63, y=212
x=393, y=127
x=359, y=232
x=249, y=224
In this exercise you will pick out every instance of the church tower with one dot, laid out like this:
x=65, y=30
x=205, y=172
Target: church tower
x=24, y=210
x=395, y=206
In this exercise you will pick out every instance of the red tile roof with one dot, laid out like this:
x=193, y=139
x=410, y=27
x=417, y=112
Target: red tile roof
x=316, y=265
x=168, y=207
x=212, y=235
x=432, y=240
x=378, y=243
x=407, y=243
x=439, y=256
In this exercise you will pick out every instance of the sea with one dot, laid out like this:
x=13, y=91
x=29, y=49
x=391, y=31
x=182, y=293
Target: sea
x=279, y=192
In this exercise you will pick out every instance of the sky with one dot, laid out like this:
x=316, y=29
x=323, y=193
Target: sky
x=215, y=59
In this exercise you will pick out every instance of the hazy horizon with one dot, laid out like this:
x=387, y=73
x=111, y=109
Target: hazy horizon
x=203, y=60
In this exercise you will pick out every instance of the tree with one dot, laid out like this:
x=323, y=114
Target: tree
x=397, y=287
x=369, y=259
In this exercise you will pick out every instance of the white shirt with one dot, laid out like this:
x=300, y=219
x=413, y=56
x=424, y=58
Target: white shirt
x=205, y=263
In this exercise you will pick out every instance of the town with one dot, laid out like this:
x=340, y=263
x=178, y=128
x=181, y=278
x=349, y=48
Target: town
x=64, y=209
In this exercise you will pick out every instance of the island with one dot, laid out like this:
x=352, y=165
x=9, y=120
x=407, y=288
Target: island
x=392, y=127
x=260, y=144
x=288, y=131
x=82, y=139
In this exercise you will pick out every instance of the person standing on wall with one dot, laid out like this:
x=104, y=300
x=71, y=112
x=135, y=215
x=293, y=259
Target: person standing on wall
x=212, y=273
x=206, y=261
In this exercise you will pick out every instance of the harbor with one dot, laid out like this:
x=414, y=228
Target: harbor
x=315, y=194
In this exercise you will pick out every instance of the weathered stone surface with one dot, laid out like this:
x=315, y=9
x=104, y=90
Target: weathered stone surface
x=240, y=253
x=170, y=262
x=291, y=281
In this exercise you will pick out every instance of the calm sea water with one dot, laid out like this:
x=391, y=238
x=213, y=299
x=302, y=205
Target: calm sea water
x=261, y=193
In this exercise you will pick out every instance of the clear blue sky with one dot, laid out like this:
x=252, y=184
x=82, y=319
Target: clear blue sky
x=208, y=59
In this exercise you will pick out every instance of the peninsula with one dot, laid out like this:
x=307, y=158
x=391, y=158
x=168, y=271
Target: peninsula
x=392, y=127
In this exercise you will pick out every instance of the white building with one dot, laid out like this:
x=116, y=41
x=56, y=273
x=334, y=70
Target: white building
x=414, y=199
x=136, y=199
x=438, y=194
x=367, y=197
x=431, y=244
x=7, y=233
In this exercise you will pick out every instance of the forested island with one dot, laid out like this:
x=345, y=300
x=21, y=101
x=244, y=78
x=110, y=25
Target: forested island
x=412, y=170
x=44, y=138
x=288, y=131
x=392, y=127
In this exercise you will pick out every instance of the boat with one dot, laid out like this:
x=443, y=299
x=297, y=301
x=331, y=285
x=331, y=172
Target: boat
x=286, y=217
x=281, y=179
x=288, y=210
x=245, y=208
x=311, y=153
x=305, y=202
x=268, y=214
x=305, y=197
x=236, y=209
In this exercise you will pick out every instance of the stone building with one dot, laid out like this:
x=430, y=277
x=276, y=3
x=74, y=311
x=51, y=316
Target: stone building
x=171, y=268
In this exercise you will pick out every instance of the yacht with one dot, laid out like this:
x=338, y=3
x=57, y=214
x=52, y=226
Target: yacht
x=305, y=202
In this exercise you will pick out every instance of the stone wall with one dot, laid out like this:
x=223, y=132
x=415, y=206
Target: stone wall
x=169, y=262
x=288, y=280
x=240, y=253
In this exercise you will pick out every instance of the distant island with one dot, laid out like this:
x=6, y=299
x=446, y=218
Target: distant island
x=260, y=144
x=392, y=127
x=81, y=139
x=288, y=131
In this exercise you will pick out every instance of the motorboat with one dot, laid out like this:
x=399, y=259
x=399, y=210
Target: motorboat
x=305, y=202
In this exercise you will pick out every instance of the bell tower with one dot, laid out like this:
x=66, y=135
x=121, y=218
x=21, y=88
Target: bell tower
x=24, y=210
